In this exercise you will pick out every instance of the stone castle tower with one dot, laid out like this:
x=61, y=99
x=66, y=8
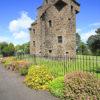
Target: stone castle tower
x=53, y=33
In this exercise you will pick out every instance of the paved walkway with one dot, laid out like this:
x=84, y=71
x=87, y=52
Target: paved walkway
x=12, y=88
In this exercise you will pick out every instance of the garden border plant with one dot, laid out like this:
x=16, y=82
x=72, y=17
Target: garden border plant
x=72, y=86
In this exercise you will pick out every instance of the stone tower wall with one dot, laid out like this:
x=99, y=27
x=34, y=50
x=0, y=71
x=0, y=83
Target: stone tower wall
x=63, y=23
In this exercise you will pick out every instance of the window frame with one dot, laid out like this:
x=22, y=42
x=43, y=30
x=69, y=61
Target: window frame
x=60, y=39
x=34, y=43
x=34, y=31
x=50, y=23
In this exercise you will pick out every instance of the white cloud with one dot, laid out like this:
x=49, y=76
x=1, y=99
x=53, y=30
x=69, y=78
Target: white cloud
x=95, y=24
x=19, y=26
x=78, y=30
x=87, y=31
x=4, y=39
x=86, y=35
x=21, y=34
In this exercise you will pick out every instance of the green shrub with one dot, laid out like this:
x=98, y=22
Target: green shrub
x=7, y=61
x=6, y=64
x=23, y=71
x=56, y=87
x=97, y=70
x=15, y=65
x=79, y=86
x=38, y=77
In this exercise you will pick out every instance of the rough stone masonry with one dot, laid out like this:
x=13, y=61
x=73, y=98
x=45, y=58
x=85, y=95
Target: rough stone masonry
x=53, y=33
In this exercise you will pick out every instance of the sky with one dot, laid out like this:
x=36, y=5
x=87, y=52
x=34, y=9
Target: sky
x=17, y=15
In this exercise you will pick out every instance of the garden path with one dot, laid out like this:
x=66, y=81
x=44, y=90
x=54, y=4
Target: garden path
x=12, y=88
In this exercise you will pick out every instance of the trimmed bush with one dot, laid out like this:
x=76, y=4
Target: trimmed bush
x=24, y=71
x=15, y=65
x=80, y=86
x=97, y=70
x=38, y=77
x=56, y=87
x=8, y=59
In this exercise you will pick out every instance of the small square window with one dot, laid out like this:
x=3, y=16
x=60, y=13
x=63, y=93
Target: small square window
x=50, y=51
x=46, y=1
x=33, y=43
x=59, y=39
x=33, y=30
x=67, y=52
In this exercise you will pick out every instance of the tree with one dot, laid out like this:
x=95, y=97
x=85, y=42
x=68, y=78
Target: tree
x=83, y=49
x=11, y=49
x=24, y=48
x=7, y=49
x=94, y=43
x=2, y=46
x=98, y=31
x=78, y=39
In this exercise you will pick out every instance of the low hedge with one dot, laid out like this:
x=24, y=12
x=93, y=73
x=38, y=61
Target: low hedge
x=56, y=87
x=38, y=77
x=15, y=65
x=23, y=71
x=80, y=86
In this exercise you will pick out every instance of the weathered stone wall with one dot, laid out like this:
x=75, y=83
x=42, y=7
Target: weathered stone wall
x=63, y=23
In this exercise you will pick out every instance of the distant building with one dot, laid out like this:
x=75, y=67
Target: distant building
x=53, y=33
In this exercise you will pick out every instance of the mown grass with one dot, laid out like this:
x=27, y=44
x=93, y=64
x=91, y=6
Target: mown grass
x=61, y=66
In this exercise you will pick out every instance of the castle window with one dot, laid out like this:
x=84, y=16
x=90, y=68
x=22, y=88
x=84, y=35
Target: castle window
x=50, y=51
x=71, y=8
x=69, y=19
x=46, y=1
x=34, y=43
x=60, y=5
x=59, y=39
x=50, y=23
x=43, y=17
x=33, y=30
x=66, y=52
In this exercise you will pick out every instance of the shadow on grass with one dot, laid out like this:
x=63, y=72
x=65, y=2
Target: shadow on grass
x=96, y=70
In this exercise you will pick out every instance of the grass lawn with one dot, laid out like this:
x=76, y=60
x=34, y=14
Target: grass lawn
x=60, y=67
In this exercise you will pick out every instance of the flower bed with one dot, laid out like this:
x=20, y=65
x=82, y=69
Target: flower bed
x=72, y=86
x=13, y=64
x=38, y=77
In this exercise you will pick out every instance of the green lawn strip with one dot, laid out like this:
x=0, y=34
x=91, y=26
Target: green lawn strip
x=59, y=67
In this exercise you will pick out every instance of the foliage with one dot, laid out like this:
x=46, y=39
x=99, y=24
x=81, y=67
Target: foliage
x=23, y=49
x=2, y=45
x=24, y=71
x=98, y=31
x=78, y=39
x=82, y=49
x=15, y=65
x=38, y=77
x=8, y=59
x=7, y=49
x=94, y=44
x=56, y=87
x=97, y=70
x=79, y=86
x=58, y=67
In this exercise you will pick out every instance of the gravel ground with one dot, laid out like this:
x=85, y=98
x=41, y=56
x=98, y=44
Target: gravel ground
x=12, y=88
